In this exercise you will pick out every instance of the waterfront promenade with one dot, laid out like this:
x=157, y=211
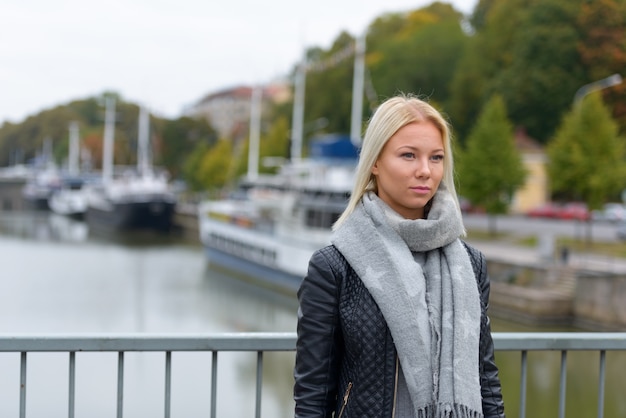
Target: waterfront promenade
x=498, y=250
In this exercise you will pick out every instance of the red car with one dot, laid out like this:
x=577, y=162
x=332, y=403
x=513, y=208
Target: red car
x=548, y=210
x=575, y=211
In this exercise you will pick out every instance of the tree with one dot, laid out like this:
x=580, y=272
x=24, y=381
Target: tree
x=179, y=138
x=603, y=49
x=586, y=155
x=274, y=143
x=419, y=53
x=215, y=166
x=490, y=168
x=545, y=64
x=191, y=167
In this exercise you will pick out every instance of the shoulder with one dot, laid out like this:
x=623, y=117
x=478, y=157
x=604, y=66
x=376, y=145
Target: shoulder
x=477, y=259
x=329, y=256
x=472, y=251
x=325, y=273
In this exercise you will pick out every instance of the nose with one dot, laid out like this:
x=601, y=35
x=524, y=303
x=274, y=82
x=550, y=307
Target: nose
x=422, y=168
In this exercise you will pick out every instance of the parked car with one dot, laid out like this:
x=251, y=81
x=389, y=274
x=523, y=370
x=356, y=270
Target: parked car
x=611, y=212
x=574, y=211
x=547, y=210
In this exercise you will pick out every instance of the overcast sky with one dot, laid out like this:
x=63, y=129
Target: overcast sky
x=163, y=54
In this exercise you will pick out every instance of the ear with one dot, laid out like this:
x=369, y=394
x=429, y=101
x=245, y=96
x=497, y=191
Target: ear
x=374, y=169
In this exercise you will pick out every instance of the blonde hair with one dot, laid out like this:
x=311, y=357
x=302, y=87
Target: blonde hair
x=388, y=118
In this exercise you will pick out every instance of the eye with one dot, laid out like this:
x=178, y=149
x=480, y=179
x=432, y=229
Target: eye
x=408, y=155
x=437, y=157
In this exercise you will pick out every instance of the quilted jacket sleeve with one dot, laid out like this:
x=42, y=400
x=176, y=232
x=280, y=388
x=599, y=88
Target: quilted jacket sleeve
x=315, y=372
x=493, y=405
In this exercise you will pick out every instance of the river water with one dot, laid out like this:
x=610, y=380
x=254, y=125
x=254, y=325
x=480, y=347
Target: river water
x=58, y=278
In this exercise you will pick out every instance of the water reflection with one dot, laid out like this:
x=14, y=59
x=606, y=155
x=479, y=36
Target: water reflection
x=57, y=282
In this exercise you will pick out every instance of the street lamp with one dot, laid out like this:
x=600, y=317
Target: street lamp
x=607, y=82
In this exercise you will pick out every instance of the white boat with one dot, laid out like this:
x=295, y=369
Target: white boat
x=70, y=198
x=39, y=187
x=273, y=225
x=270, y=228
x=131, y=199
x=42, y=180
x=131, y=202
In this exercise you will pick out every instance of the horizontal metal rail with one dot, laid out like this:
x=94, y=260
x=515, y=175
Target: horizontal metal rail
x=265, y=342
x=280, y=341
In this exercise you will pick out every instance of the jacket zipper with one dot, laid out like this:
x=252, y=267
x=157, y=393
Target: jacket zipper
x=345, y=399
x=395, y=389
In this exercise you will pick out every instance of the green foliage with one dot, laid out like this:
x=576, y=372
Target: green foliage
x=491, y=168
x=179, y=137
x=274, y=144
x=208, y=169
x=191, y=167
x=545, y=63
x=586, y=156
x=215, y=166
x=27, y=138
x=431, y=35
x=329, y=92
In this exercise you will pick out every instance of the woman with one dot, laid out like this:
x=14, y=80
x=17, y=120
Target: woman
x=393, y=314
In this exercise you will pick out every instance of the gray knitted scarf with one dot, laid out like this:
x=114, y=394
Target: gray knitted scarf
x=432, y=311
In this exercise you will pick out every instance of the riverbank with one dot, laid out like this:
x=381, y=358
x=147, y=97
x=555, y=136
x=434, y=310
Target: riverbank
x=582, y=290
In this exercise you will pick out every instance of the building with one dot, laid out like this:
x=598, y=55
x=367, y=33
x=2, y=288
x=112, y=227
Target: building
x=535, y=190
x=228, y=110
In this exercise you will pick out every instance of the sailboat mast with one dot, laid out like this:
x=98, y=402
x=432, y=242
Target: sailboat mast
x=107, y=147
x=73, y=158
x=143, y=142
x=358, y=83
x=298, y=112
x=255, y=132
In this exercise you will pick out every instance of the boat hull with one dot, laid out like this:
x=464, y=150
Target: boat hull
x=252, y=271
x=151, y=215
x=279, y=260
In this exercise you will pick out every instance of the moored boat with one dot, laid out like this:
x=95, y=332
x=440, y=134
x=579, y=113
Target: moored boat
x=131, y=199
x=272, y=225
x=70, y=199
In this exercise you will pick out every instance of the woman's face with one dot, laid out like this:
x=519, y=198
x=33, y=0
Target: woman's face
x=409, y=168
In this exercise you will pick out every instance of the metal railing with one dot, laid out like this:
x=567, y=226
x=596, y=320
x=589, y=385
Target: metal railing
x=267, y=342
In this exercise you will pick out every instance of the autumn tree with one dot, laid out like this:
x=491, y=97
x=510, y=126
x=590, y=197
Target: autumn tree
x=490, y=167
x=602, y=49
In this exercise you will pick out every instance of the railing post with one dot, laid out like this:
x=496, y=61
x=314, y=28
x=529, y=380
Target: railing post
x=562, y=383
x=168, y=383
x=214, y=385
x=522, y=394
x=601, y=377
x=259, y=382
x=72, y=385
x=23, y=385
x=120, y=384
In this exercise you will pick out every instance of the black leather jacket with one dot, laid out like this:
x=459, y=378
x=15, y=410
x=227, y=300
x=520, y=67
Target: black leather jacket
x=346, y=361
